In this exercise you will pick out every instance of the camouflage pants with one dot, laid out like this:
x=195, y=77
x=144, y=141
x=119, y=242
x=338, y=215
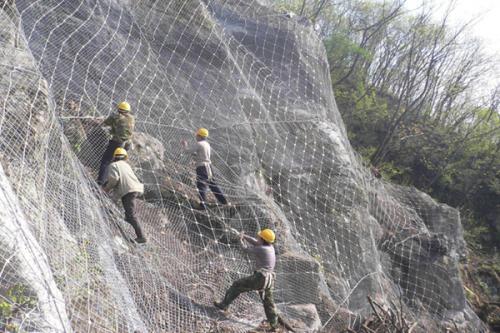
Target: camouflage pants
x=249, y=283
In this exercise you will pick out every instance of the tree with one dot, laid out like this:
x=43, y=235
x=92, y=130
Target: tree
x=407, y=88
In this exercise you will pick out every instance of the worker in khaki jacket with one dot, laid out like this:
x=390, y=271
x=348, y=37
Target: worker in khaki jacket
x=263, y=277
x=204, y=176
x=122, y=126
x=125, y=185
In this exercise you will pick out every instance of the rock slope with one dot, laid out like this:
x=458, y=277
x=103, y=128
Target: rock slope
x=260, y=82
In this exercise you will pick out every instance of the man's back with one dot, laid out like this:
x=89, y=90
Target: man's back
x=122, y=179
x=122, y=126
x=265, y=256
x=202, y=152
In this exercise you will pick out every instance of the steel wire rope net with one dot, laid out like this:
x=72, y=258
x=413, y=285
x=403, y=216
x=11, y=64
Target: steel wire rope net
x=260, y=82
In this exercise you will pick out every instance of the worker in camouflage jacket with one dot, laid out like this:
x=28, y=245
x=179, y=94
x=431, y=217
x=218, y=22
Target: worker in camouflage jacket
x=122, y=126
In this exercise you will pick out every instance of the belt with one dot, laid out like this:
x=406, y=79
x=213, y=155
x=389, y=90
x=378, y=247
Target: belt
x=269, y=278
x=208, y=168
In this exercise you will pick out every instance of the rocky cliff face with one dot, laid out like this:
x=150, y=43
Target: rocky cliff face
x=260, y=82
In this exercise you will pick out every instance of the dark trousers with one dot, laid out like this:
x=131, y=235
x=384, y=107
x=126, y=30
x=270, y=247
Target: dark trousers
x=202, y=183
x=249, y=283
x=128, y=201
x=106, y=159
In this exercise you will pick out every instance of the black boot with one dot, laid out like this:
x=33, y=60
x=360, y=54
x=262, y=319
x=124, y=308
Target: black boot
x=220, y=306
x=200, y=206
x=138, y=232
x=140, y=240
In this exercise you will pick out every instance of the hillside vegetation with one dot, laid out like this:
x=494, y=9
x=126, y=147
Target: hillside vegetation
x=420, y=103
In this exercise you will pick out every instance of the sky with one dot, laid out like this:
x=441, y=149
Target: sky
x=486, y=13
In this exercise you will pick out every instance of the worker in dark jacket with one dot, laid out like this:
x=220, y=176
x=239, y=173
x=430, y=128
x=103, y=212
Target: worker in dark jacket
x=201, y=152
x=125, y=186
x=122, y=126
x=263, y=277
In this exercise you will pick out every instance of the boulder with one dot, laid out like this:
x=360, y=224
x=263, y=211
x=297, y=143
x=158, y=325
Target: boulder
x=305, y=317
x=300, y=278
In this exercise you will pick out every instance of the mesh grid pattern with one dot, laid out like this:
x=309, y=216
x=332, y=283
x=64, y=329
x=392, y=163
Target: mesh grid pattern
x=260, y=82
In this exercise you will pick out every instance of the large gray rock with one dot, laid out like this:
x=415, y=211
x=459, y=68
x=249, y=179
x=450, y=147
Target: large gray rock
x=301, y=278
x=306, y=317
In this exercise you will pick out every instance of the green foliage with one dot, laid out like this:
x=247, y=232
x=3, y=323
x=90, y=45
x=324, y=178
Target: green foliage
x=473, y=235
x=317, y=257
x=77, y=147
x=418, y=119
x=5, y=309
x=288, y=5
x=17, y=297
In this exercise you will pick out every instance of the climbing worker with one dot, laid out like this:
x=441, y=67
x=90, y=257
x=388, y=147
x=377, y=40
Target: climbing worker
x=122, y=126
x=263, y=277
x=125, y=185
x=204, y=175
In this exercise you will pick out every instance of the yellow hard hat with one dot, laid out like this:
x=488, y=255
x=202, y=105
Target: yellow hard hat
x=267, y=235
x=120, y=152
x=124, y=106
x=203, y=132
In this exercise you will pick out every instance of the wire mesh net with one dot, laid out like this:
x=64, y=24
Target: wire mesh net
x=259, y=81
